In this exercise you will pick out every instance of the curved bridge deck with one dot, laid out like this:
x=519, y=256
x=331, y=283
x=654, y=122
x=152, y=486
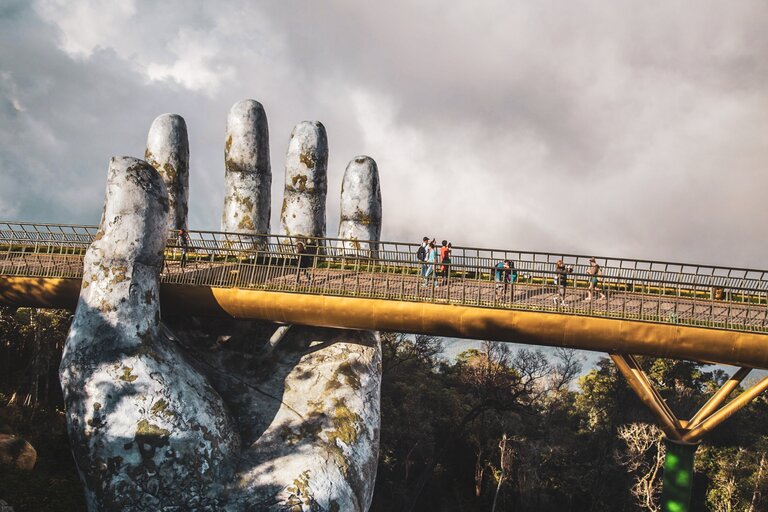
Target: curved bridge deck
x=665, y=309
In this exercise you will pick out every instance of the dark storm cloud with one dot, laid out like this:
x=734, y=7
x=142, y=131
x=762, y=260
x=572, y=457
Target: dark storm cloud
x=627, y=128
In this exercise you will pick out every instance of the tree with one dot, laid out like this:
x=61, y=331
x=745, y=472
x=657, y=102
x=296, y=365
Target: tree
x=644, y=458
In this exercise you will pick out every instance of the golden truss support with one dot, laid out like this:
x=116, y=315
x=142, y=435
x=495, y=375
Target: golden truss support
x=707, y=418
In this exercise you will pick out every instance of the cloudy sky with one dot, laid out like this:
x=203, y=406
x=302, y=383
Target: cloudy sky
x=625, y=128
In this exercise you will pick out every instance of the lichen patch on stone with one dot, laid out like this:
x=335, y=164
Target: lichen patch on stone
x=127, y=376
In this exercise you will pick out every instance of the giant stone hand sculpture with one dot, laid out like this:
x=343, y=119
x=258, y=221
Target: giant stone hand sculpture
x=163, y=418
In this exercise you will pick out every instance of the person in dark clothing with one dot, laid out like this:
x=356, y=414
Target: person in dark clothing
x=502, y=270
x=511, y=279
x=505, y=274
x=421, y=255
x=561, y=278
x=304, y=261
x=184, y=246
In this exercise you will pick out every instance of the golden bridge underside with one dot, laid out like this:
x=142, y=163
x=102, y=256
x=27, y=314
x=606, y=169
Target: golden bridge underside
x=547, y=328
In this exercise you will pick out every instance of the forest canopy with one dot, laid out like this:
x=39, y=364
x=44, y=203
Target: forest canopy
x=493, y=429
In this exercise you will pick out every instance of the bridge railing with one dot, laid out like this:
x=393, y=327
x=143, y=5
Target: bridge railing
x=716, y=297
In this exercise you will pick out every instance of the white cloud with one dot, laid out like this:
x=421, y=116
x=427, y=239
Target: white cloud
x=86, y=25
x=195, y=64
x=627, y=128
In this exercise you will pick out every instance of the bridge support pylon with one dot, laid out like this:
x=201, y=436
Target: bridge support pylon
x=683, y=437
x=677, y=485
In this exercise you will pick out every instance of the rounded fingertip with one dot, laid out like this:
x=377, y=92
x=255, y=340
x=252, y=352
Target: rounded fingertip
x=168, y=151
x=306, y=181
x=135, y=217
x=248, y=175
x=361, y=208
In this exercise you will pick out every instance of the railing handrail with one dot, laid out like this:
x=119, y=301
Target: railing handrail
x=667, y=293
x=485, y=258
x=563, y=255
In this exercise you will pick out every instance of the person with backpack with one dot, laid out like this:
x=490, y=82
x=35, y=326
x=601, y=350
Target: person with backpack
x=421, y=255
x=505, y=274
x=593, y=272
x=500, y=276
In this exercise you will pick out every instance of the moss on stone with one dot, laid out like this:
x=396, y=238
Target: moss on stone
x=301, y=494
x=170, y=174
x=127, y=376
x=119, y=274
x=232, y=166
x=345, y=422
x=299, y=182
x=246, y=223
x=244, y=201
x=362, y=218
x=160, y=408
x=146, y=429
x=345, y=432
x=345, y=369
x=308, y=159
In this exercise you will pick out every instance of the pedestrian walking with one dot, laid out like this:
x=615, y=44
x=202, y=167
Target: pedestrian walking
x=445, y=260
x=512, y=279
x=421, y=255
x=593, y=272
x=183, y=239
x=505, y=275
x=304, y=261
x=561, y=279
x=431, y=262
x=502, y=277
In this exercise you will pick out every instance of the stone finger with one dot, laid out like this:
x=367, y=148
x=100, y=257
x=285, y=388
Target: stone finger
x=361, y=211
x=168, y=152
x=248, y=175
x=306, y=182
x=147, y=430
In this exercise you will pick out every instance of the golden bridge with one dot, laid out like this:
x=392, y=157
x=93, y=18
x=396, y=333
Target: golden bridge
x=674, y=310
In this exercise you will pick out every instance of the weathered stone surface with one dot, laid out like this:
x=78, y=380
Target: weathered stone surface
x=306, y=181
x=147, y=430
x=360, y=205
x=15, y=451
x=168, y=152
x=321, y=447
x=176, y=421
x=308, y=416
x=248, y=175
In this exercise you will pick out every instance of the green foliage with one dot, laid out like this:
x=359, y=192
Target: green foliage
x=443, y=423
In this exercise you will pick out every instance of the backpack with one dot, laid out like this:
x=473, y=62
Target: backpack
x=421, y=253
